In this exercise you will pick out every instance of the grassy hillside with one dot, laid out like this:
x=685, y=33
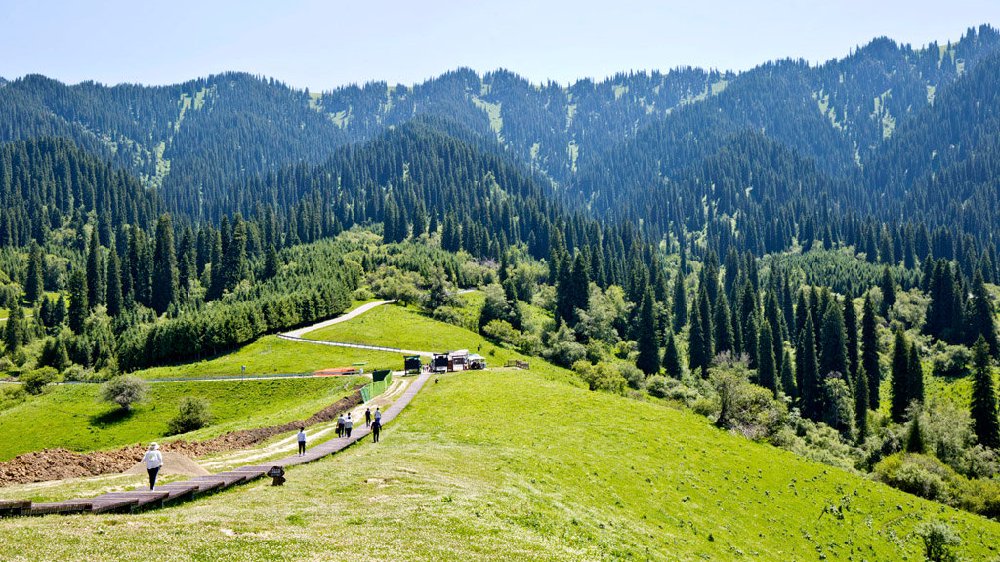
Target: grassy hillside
x=502, y=465
x=405, y=328
x=72, y=416
x=272, y=355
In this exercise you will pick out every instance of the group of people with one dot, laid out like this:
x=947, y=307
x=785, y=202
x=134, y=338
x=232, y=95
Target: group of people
x=345, y=425
x=154, y=459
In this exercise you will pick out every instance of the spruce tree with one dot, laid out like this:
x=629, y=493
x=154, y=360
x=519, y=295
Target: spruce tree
x=697, y=360
x=78, y=305
x=901, y=386
x=766, y=374
x=723, y=326
x=811, y=390
x=788, y=385
x=164, y=266
x=114, y=297
x=851, y=326
x=234, y=258
x=649, y=351
x=984, y=400
x=915, y=373
x=14, y=331
x=95, y=269
x=833, y=346
x=672, y=358
x=861, y=402
x=915, y=437
x=869, y=353
x=34, y=283
x=979, y=322
x=707, y=330
x=888, y=286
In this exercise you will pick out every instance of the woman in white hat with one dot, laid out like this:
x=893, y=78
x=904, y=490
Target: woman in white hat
x=153, y=460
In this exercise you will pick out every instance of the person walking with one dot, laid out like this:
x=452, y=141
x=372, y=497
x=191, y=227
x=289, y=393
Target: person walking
x=348, y=425
x=376, y=430
x=340, y=426
x=378, y=415
x=153, y=460
x=368, y=417
x=302, y=440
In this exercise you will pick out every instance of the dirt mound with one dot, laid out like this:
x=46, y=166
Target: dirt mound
x=58, y=464
x=173, y=463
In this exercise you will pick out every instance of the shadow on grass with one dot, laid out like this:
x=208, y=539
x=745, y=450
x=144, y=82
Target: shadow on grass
x=111, y=417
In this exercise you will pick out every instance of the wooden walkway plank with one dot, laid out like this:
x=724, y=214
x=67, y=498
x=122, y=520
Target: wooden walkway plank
x=188, y=489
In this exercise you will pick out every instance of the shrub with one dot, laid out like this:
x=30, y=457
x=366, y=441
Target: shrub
x=502, y=331
x=938, y=539
x=193, y=414
x=632, y=375
x=920, y=475
x=658, y=386
x=35, y=381
x=124, y=391
x=952, y=361
x=603, y=376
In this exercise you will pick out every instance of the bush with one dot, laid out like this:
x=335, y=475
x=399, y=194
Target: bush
x=657, y=386
x=632, y=375
x=501, y=331
x=35, y=381
x=920, y=475
x=193, y=414
x=952, y=361
x=124, y=391
x=938, y=539
x=603, y=376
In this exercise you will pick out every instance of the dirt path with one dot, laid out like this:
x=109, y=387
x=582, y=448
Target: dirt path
x=300, y=332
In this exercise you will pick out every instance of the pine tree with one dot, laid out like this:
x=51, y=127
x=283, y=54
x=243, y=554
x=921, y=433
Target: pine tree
x=723, y=325
x=979, y=322
x=915, y=373
x=707, y=330
x=14, y=335
x=915, y=437
x=680, y=303
x=833, y=347
x=888, y=286
x=78, y=305
x=984, y=400
x=272, y=263
x=869, y=353
x=901, y=386
x=164, y=266
x=697, y=360
x=861, y=402
x=766, y=374
x=649, y=351
x=851, y=327
x=811, y=389
x=788, y=385
x=95, y=268
x=671, y=358
x=34, y=283
x=114, y=297
x=234, y=258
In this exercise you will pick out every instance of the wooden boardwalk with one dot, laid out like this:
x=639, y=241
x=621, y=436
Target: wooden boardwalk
x=174, y=492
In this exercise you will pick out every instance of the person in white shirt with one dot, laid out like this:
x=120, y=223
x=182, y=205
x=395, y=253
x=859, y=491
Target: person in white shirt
x=378, y=415
x=153, y=460
x=348, y=425
x=340, y=425
x=302, y=440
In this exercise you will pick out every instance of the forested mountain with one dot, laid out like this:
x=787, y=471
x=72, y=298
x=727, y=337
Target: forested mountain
x=719, y=228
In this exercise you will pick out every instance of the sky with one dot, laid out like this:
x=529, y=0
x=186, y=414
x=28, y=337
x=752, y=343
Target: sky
x=325, y=44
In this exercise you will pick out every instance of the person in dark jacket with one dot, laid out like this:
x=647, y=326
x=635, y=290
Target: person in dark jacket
x=376, y=430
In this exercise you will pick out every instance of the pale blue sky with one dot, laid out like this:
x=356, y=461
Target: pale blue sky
x=325, y=44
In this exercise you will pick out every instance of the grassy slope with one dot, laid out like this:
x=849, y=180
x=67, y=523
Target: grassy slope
x=272, y=355
x=405, y=328
x=72, y=416
x=501, y=465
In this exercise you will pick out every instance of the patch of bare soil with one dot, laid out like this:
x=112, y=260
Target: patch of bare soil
x=58, y=464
